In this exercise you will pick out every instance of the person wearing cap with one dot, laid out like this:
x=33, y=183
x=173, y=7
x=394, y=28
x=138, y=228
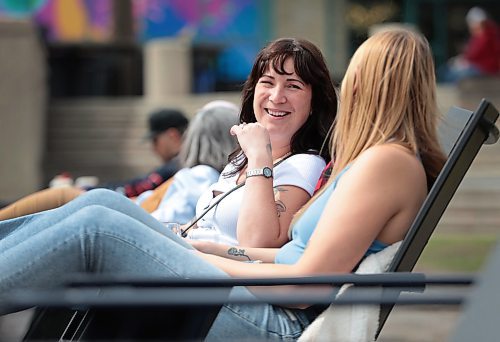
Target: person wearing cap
x=481, y=56
x=166, y=127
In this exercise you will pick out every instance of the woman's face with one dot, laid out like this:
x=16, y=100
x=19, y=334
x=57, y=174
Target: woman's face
x=282, y=103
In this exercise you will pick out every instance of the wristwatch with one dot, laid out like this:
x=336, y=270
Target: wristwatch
x=265, y=171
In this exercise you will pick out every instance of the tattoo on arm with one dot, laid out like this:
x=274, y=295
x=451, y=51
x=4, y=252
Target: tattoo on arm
x=233, y=251
x=280, y=206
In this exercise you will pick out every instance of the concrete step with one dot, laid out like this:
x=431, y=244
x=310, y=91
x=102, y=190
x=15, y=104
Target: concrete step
x=475, y=200
x=472, y=217
x=469, y=228
x=475, y=207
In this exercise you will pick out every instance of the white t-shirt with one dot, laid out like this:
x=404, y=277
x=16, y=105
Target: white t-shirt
x=219, y=224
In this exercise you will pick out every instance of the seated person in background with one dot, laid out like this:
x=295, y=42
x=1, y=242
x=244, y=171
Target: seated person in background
x=203, y=155
x=166, y=128
x=387, y=155
x=481, y=56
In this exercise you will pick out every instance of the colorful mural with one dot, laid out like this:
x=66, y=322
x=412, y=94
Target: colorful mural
x=65, y=21
x=20, y=9
x=226, y=33
x=76, y=20
x=229, y=30
x=208, y=19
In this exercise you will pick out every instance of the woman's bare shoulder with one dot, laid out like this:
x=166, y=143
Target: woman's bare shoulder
x=388, y=156
x=389, y=163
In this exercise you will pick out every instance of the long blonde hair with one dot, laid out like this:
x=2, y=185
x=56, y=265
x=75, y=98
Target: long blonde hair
x=388, y=94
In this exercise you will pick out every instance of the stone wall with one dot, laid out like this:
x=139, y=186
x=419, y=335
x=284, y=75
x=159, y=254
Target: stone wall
x=105, y=137
x=22, y=108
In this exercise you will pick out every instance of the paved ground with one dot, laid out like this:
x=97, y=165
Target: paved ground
x=420, y=324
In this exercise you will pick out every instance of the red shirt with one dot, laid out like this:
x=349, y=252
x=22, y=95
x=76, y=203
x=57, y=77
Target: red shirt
x=483, y=49
x=325, y=175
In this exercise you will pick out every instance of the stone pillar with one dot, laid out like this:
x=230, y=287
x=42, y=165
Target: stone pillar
x=167, y=68
x=300, y=19
x=23, y=100
x=320, y=21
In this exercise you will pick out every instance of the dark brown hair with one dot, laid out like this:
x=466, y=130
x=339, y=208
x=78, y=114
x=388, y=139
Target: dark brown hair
x=310, y=66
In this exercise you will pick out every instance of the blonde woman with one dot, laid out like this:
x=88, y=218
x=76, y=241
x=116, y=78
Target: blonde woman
x=387, y=155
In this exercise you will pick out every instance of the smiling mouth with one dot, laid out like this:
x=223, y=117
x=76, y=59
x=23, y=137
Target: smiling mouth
x=276, y=113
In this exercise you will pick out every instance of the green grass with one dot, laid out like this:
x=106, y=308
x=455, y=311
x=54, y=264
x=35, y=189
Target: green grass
x=453, y=252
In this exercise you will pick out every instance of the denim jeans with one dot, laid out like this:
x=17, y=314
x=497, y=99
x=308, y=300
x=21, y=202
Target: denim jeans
x=104, y=232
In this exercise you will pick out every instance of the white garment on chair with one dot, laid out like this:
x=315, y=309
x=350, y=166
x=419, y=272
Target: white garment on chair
x=352, y=323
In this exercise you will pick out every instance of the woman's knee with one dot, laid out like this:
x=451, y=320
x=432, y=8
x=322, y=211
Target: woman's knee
x=95, y=212
x=93, y=215
x=101, y=193
x=100, y=197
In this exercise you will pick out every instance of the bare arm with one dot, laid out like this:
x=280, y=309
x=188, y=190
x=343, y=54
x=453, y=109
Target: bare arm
x=266, y=212
x=377, y=198
x=238, y=253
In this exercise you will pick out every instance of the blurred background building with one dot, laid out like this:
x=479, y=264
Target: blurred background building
x=79, y=76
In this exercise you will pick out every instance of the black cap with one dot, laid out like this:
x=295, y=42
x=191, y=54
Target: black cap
x=163, y=119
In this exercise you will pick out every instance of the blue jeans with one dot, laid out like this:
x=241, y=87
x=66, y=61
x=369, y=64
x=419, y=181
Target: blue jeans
x=104, y=232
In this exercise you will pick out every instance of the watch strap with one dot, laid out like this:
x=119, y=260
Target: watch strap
x=265, y=171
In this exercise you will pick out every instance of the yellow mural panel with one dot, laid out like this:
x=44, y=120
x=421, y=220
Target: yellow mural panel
x=72, y=19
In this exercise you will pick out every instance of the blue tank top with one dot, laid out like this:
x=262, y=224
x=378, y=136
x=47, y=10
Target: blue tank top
x=302, y=230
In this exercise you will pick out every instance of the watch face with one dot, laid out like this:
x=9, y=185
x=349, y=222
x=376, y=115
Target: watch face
x=268, y=173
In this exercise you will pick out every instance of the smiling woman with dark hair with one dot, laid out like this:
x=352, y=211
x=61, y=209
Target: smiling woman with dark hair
x=288, y=106
x=309, y=66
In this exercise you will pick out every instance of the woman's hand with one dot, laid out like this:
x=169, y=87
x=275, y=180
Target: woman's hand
x=254, y=140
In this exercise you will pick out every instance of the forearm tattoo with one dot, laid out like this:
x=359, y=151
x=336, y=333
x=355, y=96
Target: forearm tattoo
x=238, y=252
x=280, y=206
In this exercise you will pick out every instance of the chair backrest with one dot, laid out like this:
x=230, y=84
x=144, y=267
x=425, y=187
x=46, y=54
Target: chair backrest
x=452, y=126
x=480, y=128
